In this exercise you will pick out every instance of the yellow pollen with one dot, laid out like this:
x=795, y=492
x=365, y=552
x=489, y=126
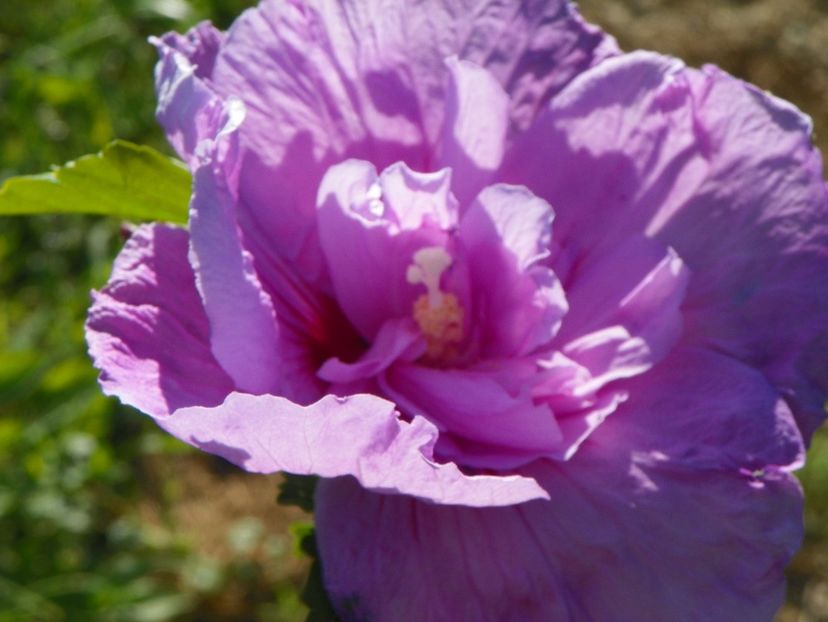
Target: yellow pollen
x=437, y=313
x=442, y=326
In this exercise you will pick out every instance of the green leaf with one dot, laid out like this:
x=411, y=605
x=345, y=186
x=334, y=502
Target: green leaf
x=297, y=490
x=314, y=594
x=127, y=181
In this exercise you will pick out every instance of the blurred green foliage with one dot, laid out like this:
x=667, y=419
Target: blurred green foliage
x=75, y=74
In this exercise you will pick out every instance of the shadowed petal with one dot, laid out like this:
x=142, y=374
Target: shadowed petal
x=760, y=286
x=667, y=512
x=717, y=170
x=624, y=311
x=147, y=330
x=518, y=301
x=188, y=110
x=367, y=80
x=687, y=547
x=200, y=46
x=244, y=332
x=396, y=339
x=602, y=159
x=477, y=406
x=477, y=119
x=202, y=128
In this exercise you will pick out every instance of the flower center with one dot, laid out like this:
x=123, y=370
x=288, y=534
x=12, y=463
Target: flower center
x=437, y=313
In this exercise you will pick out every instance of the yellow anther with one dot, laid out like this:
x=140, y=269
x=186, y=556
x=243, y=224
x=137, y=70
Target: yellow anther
x=437, y=313
x=442, y=326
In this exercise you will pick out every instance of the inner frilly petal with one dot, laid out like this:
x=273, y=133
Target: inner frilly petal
x=518, y=301
x=396, y=339
x=638, y=287
x=479, y=407
x=411, y=199
x=511, y=370
x=370, y=227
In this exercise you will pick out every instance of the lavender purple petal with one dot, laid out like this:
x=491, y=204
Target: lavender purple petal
x=549, y=319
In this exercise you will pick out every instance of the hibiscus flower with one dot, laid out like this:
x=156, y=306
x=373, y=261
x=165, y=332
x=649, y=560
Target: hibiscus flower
x=549, y=320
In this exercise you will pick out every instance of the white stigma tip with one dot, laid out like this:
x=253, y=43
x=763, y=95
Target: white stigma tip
x=374, y=197
x=374, y=192
x=427, y=268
